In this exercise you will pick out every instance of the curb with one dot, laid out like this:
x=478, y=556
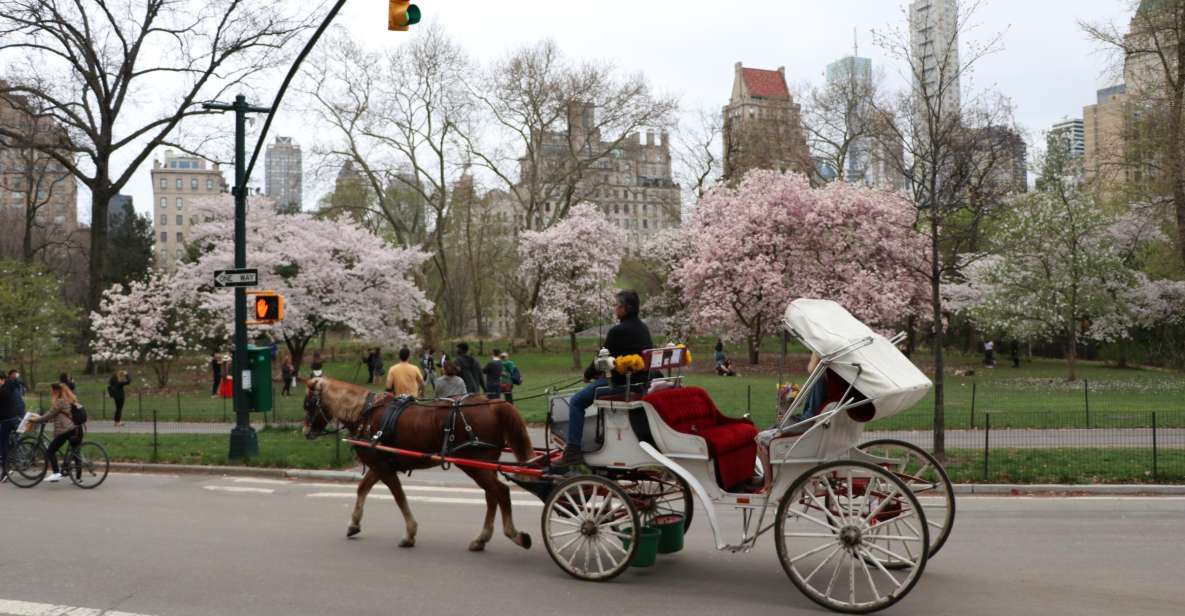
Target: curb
x=963, y=489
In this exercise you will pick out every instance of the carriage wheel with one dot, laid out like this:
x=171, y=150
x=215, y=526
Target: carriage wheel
x=590, y=528
x=829, y=542
x=929, y=482
x=27, y=463
x=657, y=492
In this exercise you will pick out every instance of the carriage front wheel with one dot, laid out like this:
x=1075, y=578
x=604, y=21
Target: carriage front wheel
x=929, y=482
x=829, y=540
x=590, y=528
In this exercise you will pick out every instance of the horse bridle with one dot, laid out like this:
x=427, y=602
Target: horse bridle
x=312, y=404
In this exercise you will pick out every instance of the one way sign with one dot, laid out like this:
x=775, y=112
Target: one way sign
x=236, y=278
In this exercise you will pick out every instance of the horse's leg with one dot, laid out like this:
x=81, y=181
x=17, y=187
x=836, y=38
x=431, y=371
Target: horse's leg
x=487, y=527
x=391, y=478
x=500, y=493
x=368, y=480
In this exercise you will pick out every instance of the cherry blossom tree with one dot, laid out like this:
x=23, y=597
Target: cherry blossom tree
x=662, y=253
x=331, y=273
x=576, y=263
x=151, y=322
x=754, y=248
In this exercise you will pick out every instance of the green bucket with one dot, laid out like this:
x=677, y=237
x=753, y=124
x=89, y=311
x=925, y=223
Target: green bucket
x=647, y=552
x=670, y=528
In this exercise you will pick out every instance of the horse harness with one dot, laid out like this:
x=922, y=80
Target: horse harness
x=395, y=407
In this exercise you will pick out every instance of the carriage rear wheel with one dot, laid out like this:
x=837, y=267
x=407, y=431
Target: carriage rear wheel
x=829, y=543
x=27, y=463
x=590, y=528
x=929, y=482
x=657, y=492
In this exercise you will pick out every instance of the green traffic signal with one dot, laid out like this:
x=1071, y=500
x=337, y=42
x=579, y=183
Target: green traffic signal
x=413, y=14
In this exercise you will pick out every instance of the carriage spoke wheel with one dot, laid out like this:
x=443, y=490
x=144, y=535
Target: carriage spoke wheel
x=928, y=480
x=829, y=540
x=590, y=528
x=27, y=464
x=657, y=492
x=88, y=465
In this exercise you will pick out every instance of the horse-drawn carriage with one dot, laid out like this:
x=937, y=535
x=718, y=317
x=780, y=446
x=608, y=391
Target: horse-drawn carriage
x=854, y=524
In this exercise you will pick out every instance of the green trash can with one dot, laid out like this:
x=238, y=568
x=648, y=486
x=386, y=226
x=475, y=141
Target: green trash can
x=670, y=528
x=260, y=360
x=647, y=552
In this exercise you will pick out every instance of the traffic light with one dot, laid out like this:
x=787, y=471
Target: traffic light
x=401, y=14
x=266, y=307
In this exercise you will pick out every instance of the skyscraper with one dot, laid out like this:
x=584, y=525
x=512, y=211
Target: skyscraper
x=934, y=42
x=763, y=125
x=1071, y=134
x=283, y=175
x=175, y=181
x=852, y=76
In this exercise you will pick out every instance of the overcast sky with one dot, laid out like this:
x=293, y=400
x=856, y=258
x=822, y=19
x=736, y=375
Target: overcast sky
x=1047, y=66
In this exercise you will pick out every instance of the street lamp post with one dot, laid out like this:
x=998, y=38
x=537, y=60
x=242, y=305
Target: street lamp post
x=243, y=442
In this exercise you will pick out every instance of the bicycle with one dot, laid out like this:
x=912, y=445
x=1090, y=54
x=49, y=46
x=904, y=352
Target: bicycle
x=27, y=460
x=86, y=463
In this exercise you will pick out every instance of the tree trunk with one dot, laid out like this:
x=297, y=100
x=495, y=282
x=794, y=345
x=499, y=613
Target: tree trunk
x=911, y=336
x=754, y=344
x=1071, y=351
x=936, y=343
x=100, y=195
x=575, y=349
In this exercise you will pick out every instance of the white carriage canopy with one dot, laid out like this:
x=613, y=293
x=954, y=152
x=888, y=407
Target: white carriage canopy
x=886, y=376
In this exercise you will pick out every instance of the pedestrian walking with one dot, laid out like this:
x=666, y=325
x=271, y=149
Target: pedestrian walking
x=989, y=354
x=287, y=374
x=316, y=366
x=376, y=365
x=428, y=367
x=470, y=369
x=510, y=376
x=10, y=418
x=64, y=379
x=115, y=389
x=1014, y=353
x=493, y=376
x=405, y=379
x=215, y=373
x=450, y=384
x=64, y=429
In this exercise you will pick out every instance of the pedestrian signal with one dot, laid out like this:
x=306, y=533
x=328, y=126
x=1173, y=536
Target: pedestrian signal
x=266, y=307
x=401, y=14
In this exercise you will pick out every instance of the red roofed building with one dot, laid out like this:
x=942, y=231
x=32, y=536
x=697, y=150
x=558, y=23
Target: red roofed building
x=763, y=125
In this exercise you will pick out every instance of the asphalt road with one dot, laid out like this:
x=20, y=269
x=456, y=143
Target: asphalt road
x=198, y=545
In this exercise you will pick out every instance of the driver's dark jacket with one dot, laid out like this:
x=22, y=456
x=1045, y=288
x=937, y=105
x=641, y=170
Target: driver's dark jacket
x=628, y=337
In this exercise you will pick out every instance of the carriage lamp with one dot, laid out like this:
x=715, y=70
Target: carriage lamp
x=401, y=14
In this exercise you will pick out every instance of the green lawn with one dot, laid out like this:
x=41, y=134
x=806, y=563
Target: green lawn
x=1035, y=395
x=1074, y=466
x=278, y=448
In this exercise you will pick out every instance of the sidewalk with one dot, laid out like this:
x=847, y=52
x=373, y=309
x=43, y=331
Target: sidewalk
x=1167, y=438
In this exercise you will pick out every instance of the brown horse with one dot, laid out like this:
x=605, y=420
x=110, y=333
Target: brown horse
x=421, y=428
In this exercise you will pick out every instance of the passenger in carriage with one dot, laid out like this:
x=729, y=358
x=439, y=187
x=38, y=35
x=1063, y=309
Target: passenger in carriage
x=629, y=337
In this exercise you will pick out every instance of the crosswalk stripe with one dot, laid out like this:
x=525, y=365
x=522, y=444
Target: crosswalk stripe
x=260, y=480
x=239, y=489
x=26, y=608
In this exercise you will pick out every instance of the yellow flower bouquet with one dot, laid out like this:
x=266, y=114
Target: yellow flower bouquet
x=628, y=364
x=686, y=352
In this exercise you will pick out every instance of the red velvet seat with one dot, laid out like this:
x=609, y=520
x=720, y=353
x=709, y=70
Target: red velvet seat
x=731, y=441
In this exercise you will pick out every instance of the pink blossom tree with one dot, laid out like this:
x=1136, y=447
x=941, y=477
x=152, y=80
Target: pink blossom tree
x=755, y=247
x=662, y=254
x=576, y=263
x=152, y=322
x=331, y=273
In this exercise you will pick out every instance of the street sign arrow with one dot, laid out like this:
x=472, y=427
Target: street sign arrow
x=236, y=278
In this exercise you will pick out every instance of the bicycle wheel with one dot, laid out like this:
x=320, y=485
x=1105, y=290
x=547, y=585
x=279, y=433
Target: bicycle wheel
x=87, y=465
x=27, y=463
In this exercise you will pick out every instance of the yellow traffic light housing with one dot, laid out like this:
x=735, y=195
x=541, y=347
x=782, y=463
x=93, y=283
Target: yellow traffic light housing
x=401, y=14
x=266, y=307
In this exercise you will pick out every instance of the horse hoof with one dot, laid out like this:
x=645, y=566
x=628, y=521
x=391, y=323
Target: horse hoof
x=524, y=540
x=353, y=530
x=407, y=543
x=477, y=546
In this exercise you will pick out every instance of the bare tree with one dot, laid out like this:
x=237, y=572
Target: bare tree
x=398, y=119
x=91, y=65
x=696, y=151
x=1152, y=144
x=839, y=121
x=957, y=159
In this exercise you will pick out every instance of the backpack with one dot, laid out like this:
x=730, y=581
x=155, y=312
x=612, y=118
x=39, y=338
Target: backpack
x=78, y=414
x=516, y=377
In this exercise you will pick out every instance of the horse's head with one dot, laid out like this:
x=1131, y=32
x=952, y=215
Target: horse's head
x=315, y=415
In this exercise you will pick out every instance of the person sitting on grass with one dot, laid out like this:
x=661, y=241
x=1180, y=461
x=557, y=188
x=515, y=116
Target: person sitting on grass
x=64, y=428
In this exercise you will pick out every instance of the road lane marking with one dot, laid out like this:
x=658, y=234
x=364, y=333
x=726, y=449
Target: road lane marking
x=282, y=482
x=239, y=489
x=25, y=608
x=440, y=500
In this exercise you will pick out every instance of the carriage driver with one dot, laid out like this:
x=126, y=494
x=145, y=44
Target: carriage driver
x=629, y=337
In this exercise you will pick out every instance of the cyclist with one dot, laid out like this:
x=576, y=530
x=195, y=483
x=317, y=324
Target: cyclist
x=64, y=428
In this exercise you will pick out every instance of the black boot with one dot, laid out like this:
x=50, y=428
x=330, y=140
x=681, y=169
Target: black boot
x=571, y=462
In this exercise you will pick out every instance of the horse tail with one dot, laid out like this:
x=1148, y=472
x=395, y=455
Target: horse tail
x=514, y=430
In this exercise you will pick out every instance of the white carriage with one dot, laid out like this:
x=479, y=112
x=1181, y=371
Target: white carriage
x=854, y=523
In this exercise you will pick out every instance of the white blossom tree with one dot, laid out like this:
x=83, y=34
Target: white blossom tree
x=151, y=322
x=331, y=273
x=576, y=263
